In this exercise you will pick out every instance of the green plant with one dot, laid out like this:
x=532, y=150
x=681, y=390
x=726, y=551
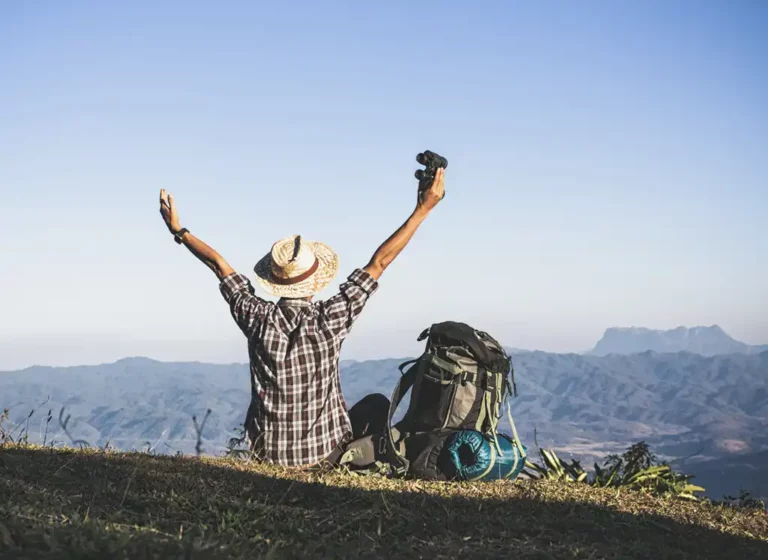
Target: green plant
x=636, y=468
x=555, y=469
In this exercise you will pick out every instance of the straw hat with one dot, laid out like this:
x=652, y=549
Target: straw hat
x=296, y=268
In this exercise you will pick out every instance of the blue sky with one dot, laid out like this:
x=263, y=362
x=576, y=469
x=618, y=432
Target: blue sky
x=607, y=167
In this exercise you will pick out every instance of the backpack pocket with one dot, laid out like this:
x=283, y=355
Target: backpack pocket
x=432, y=397
x=442, y=397
x=424, y=452
x=466, y=409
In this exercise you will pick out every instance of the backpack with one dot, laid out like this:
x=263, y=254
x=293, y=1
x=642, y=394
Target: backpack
x=458, y=386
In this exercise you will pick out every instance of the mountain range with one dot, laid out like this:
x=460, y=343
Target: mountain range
x=707, y=341
x=687, y=406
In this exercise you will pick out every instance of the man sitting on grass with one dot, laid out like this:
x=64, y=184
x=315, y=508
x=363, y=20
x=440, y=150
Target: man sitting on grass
x=297, y=414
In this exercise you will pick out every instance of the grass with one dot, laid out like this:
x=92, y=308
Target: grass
x=66, y=503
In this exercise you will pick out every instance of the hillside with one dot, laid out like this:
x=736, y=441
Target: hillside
x=77, y=504
x=707, y=341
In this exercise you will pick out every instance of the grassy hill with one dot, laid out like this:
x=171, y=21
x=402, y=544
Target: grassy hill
x=58, y=503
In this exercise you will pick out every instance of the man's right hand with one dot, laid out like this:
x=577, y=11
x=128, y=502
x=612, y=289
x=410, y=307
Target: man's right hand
x=429, y=198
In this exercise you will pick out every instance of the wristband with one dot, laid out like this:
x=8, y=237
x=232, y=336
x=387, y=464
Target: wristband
x=179, y=234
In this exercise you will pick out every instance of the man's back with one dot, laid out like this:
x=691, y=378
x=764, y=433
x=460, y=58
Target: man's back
x=297, y=414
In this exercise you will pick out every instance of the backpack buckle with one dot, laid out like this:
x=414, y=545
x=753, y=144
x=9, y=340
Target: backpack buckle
x=383, y=446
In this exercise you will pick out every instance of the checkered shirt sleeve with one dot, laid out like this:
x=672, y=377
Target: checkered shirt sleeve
x=341, y=310
x=247, y=309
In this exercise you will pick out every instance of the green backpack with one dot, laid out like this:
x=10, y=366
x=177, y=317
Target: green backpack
x=458, y=386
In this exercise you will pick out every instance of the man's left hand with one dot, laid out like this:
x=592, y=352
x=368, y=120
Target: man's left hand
x=168, y=212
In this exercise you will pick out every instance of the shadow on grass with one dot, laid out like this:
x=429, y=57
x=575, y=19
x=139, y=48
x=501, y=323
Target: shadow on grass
x=63, y=504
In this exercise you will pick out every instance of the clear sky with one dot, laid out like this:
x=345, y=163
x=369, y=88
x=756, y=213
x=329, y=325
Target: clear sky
x=607, y=167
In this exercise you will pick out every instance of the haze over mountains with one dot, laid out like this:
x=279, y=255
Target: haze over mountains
x=707, y=341
x=688, y=406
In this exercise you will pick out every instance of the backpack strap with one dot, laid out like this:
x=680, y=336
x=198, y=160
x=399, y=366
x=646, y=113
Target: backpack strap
x=517, y=442
x=403, y=385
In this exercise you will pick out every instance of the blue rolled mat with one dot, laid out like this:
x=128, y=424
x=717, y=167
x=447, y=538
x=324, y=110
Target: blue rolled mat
x=510, y=464
x=475, y=457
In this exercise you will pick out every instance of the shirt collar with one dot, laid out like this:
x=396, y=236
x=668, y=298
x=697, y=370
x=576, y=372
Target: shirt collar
x=294, y=303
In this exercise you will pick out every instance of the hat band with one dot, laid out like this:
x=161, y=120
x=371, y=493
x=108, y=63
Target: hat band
x=296, y=279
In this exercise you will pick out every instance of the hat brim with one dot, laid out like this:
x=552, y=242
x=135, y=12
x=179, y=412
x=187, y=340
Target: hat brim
x=327, y=268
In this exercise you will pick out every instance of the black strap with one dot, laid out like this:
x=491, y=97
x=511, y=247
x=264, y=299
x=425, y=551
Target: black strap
x=402, y=387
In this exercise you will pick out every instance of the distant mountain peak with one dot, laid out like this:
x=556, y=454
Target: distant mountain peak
x=136, y=360
x=705, y=340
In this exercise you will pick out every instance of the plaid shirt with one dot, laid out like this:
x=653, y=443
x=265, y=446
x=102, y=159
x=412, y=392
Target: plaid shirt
x=297, y=414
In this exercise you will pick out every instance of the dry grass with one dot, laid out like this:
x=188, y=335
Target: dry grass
x=91, y=504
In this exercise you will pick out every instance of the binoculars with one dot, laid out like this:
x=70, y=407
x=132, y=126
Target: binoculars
x=432, y=162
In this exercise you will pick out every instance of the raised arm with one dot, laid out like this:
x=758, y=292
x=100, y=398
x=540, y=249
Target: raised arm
x=206, y=254
x=388, y=250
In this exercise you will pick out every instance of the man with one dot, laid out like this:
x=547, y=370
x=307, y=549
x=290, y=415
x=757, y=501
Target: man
x=297, y=415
